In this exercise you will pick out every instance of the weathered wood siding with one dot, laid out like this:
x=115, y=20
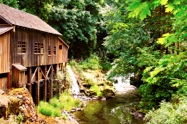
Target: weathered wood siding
x=40, y=48
x=3, y=83
x=62, y=52
x=5, y=53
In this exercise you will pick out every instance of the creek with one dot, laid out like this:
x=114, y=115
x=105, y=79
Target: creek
x=117, y=110
x=111, y=111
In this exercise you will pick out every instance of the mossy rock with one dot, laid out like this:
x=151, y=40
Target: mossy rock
x=108, y=93
x=4, y=106
x=18, y=101
x=14, y=105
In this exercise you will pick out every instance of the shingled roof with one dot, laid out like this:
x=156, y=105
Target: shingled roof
x=20, y=18
x=5, y=28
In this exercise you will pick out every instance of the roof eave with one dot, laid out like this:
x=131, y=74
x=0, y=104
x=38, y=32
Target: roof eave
x=8, y=22
x=63, y=42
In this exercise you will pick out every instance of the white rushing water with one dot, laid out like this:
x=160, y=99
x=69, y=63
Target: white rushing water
x=74, y=85
x=122, y=84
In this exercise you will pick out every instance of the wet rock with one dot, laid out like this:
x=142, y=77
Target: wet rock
x=108, y=93
x=89, y=92
x=86, y=85
x=137, y=115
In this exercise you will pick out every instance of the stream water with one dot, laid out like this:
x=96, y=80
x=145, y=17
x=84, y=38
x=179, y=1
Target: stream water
x=112, y=111
x=117, y=110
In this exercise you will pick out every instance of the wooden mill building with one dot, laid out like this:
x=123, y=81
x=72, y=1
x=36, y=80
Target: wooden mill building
x=31, y=52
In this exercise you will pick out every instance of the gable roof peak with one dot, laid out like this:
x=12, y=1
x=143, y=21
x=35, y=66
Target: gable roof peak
x=20, y=18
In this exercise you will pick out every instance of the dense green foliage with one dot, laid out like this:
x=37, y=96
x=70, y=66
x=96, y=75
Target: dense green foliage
x=148, y=38
x=169, y=113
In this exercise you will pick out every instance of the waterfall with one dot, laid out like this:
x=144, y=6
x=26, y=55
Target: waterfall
x=122, y=84
x=74, y=85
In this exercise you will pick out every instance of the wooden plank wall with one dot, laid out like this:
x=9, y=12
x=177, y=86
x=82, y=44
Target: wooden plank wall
x=30, y=59
x=62, y=52
x=3, y=83
x=5, y=53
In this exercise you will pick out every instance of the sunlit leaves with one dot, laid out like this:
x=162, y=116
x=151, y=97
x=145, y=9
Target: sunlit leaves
x=163, y=2
x=169, y=8
x=164, y=38
x=140, y=10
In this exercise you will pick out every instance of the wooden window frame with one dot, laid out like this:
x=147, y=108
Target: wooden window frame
x=54, y=50
x=49, y=50
x=38, y=48
x=21, y=47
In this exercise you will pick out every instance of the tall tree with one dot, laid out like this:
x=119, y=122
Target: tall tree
x=168, y=75
x=78, y=21
x=40, y=8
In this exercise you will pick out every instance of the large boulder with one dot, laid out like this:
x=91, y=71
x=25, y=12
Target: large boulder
x=18, y=101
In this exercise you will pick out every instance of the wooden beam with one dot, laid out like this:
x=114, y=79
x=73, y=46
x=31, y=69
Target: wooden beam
x=45, y=84
x=8, y=80
x=48, y=71
x=51, y=83
x=37, y=87
x=42, y=72
x=37, y=91
x=29, y=85
x=34, y=74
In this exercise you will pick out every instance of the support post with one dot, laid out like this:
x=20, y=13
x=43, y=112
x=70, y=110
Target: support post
x=55, y=68
x=51, y=83
x=37, y=88
x=8, y=80
x=37, y=98
x=45, y=84
x=29, y=85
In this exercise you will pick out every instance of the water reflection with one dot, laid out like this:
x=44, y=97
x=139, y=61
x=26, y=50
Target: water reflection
x=112, y=111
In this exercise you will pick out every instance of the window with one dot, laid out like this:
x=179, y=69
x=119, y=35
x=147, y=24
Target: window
x=60, y=47
x=38, y=47
x=54, y=50
x=49, y=50
x=21, y=44
x=21, y=47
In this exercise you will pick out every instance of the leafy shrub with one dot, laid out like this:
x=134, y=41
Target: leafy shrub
x=44, y=108
x=48, y=110
x=54, y=102
x=55, y=105
x=68, y=102
x=92, y=63
x=153, y=94
x=169, y=113
x=106, y=65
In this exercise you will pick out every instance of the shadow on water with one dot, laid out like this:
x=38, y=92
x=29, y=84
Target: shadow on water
x=112, y=111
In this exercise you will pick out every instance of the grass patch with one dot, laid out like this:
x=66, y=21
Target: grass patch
x=48, y=109
x=56, y=105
